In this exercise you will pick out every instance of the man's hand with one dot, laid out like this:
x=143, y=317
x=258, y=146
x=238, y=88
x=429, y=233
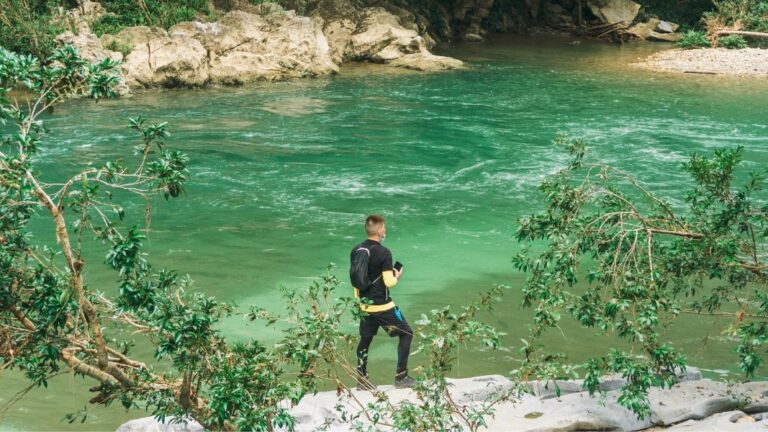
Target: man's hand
x=397, y=273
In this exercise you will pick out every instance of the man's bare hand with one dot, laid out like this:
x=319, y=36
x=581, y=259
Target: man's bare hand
x=397, y=273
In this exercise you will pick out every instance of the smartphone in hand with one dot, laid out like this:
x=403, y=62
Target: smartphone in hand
x=398, y=266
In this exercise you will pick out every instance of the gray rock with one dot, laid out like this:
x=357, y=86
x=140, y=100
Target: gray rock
x=723, y=422
x=549, y=389
x=572, y=412
x=375, y=34
x=692, y=400
x=614, y=11
x=149, y=424
x=666, y=27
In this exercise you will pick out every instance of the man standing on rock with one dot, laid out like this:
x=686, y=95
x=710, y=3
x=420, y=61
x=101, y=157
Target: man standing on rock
x=373, y=274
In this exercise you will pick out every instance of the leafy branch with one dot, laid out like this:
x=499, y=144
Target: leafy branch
x=616, y=257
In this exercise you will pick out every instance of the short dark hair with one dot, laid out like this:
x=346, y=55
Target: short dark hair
x=373, y=224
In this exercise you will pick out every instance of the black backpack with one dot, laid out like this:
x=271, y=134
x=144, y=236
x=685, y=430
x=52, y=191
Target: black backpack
x=358, y=269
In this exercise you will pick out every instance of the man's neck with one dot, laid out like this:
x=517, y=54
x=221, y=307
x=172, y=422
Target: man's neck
x=377, y=239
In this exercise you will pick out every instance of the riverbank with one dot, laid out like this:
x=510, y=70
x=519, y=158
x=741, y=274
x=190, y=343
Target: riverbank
x=692, y=404
x=260, y=42
x=710, y=61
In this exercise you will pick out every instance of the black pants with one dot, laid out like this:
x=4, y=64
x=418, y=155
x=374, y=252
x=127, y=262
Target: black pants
x=394, y=324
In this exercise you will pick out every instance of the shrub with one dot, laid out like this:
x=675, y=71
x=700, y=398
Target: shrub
x=127, y=13
x=739, y=15
x=109, y=24
x=732, y=42
x=27, y=27
x=693, y=39
x=121, y=47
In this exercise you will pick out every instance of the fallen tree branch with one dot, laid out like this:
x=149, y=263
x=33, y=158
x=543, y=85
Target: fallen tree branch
x=742, y=33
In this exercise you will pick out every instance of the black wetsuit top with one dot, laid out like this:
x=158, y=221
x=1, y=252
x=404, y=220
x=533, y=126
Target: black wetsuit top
x=379, y=261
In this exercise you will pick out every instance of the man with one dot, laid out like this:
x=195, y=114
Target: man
x=379, y=309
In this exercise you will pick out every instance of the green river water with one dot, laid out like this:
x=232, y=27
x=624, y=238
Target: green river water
x=283, y=175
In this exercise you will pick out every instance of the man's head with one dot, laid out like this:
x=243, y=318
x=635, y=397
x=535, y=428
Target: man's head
x=375, y=228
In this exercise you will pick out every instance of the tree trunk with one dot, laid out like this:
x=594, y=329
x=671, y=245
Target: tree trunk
x=743, y=33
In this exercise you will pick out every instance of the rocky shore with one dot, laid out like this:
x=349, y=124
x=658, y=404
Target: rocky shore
x=694, y=404
x=250, y=42
x=262, y=42
x=710, y=61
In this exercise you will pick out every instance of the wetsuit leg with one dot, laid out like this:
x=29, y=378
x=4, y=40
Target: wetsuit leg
x=362, y=354
x=398, y=326
x=403, y=351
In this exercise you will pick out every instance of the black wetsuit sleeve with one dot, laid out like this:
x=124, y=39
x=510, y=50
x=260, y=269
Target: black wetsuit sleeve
x=386, y=263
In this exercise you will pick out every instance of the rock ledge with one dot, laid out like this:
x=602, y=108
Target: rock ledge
x=694, y=404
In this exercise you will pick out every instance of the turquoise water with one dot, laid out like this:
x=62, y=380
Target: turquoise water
x=283, y=174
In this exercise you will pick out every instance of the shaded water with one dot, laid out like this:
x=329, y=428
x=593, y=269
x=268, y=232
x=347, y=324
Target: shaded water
x=284, y=173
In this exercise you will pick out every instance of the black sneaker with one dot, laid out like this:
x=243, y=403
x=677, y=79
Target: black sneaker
x=363, y=383
x=404, y=381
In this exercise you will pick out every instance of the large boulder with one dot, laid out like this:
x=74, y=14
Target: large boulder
x=375, y=34
x=426, y=62
x=246, y=47
x=169, y=61
x=647, y=30
x=666, y=27
x=614, y=11
x=90, y=48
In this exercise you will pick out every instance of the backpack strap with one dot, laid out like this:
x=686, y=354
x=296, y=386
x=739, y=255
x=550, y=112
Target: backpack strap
x=369, y=255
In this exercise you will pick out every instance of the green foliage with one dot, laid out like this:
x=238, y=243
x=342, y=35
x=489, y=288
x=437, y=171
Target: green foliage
x=693, y=39
x=739, y=15
x=27, y=26
x=127, y=13
x=732, y=42
x=121, y=47
x=620, y=260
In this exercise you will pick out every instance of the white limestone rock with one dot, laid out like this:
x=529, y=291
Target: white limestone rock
x=176, y=61
x=149, y=424
x=375, y=34
x=730, y=421
x=614, y=11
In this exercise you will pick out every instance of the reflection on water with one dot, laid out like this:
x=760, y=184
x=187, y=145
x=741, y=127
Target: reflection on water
x=284, y=173
x=295, y=106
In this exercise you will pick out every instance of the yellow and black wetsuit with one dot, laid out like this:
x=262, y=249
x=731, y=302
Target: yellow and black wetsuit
x=380, y=271
x=381, y=310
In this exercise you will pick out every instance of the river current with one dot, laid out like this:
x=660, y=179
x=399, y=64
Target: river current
x=283, y=175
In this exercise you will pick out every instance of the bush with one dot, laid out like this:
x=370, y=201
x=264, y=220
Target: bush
x=732, y=42
x=127, y=13
x=693, y=39
x=121, y=47
x=109, y=24
x=27, y=27
x=738, y=14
